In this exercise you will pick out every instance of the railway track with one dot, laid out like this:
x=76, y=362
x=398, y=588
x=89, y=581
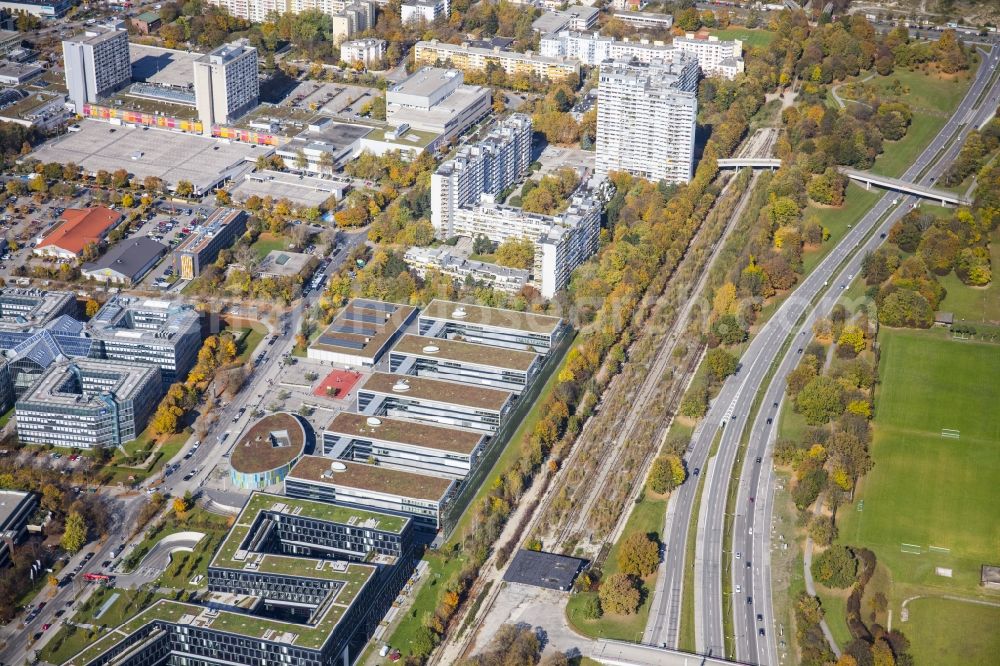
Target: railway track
x=652, y=391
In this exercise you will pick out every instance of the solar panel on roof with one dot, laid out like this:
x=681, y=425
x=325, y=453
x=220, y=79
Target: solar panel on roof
x=354, y=315
x=340, y=342
x=373, y=305
x=347, y=327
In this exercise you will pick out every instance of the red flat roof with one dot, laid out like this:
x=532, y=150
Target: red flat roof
x=80, y=226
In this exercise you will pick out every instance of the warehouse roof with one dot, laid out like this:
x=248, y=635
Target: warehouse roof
x=129, y=257
x=80, y=226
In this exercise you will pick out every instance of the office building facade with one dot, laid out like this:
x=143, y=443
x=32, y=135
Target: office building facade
x=465, y=362
x=159, y=333
x=436, y=100
x=96, y=64
x=16, y=508
x=435, y=401
x=413, y=11
x=491, y=326
x=220, y=230
x=421, y=497
x=646, y=116
x=225, y=83
x=417, y=447
x=352, y=19
x=88, y=404
x=490, y=166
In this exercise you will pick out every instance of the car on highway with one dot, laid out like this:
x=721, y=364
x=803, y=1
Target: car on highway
x=760, y=618
x=46, y=626
x=758, y=457
x=760, y=631
x=749, y=601
x=697, y=471
x=739, y=555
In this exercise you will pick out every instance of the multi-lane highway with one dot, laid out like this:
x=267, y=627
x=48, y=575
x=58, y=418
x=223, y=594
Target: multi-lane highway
x=751, y=525
x=730, y=412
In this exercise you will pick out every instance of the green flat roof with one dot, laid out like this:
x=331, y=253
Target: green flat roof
x=295, y=566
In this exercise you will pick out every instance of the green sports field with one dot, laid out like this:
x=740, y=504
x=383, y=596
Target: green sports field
x=935, y=494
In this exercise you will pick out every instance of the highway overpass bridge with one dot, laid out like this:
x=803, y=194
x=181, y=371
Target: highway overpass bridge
x=866, y=177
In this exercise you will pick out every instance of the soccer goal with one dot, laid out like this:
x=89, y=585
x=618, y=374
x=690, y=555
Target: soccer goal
x=939, y=550
x=911, y=548
x=950, y=433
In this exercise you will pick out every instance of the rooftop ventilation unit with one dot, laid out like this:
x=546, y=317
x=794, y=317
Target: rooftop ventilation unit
x=459, y=313
x=402, y=386
x=374, y=421
x=337, y=466
x=431, y=349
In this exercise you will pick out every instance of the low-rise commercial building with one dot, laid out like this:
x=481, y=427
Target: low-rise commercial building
x=282, y=264
x=407, y=445
x=442, y=259
x=368, y=51
x=362, y=332
x=220, y=230
x=16, y=73
x=419, y=496
x=436, y=100
x=435, y=401
x=465, y=362
x=469, y=58
x=15, y=508
x=77, y=228
x=9, y=41
x=146, y=23
x=491, y=326
x=88, y=404
x=267, y=451
x=39, y=8
x=127, y=262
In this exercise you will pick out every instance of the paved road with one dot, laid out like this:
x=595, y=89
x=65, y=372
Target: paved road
x=729, y=412
x=757, y=479
x=752, y=523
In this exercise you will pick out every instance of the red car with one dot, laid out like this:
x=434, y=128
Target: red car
x=45, y=627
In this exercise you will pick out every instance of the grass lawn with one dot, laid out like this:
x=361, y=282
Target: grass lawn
x=975, y=304
x=926, y=490
x=971, y=639
x=169, y=448
x=748, y=36
x=196, y=519
x=857, y=202
x=441, y=569
x=185, y=566
x=267, y=242
x=931, y=98
x=835, y=611
x=248, y=332
x=647, y=517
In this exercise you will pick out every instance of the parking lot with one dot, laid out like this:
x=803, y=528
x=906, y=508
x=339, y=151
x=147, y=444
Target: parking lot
x=170, y=156
x=340, y=99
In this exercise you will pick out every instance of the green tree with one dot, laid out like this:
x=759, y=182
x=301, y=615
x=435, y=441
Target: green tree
x=619, y=594
x=591, y=609
x=695, y=402
x=666, y=473
x=185, y=188
x=821, y=400
x=728, y=330
x=516, y=253
x=721, y=363
x=822, y=530
x=638, y=555
x=75, y=535
x=852, y=337
x=835, y=567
